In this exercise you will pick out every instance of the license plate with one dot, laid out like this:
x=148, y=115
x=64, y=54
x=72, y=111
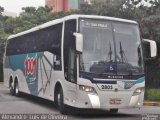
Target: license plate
x=115, y=101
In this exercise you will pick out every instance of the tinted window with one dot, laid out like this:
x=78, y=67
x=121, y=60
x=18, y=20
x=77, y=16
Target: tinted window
x=48, y=39
x=69, y=51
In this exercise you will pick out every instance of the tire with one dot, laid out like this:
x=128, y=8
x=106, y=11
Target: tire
x=56, y=99
x=113, y=110
x=62, y=106
x=16, y=89
x=11, y=88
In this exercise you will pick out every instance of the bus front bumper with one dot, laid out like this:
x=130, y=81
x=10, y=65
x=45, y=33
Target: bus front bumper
x=108, y=100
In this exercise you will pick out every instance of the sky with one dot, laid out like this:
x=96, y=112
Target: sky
x=16, y=5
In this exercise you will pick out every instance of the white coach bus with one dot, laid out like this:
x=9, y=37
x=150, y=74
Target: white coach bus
x=84, y=61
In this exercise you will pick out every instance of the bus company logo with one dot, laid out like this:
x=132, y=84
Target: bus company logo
x=129, y=84
x=30, y=64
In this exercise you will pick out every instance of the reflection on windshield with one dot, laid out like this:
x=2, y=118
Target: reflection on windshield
x=110, y=48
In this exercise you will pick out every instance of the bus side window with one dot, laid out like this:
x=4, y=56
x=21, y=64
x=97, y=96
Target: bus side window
x=70, y=71
x=71, y=65
x=57, y=63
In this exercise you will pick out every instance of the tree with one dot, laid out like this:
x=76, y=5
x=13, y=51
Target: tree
x=31, y=17
x=1, y=10
x=3, y=37
x=147, y=16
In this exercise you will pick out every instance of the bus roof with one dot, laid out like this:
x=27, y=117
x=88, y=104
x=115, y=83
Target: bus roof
x=53, y=22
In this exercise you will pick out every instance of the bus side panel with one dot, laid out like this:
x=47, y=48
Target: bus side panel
x=37, y=73
x=10, y=73
x=45, y=76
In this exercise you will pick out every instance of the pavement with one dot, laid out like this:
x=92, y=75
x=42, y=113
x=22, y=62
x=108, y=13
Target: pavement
x=146, y=103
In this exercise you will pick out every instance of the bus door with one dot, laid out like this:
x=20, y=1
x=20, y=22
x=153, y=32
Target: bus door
x=70, y=65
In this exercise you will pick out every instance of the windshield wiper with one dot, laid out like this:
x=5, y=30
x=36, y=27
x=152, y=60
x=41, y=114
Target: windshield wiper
x=124, y=59
x=110, y=52
x=122, y=54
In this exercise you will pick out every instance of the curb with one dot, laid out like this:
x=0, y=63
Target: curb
x=151, y=103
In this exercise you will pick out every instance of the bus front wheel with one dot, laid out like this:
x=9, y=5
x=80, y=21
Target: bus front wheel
x=62, y=106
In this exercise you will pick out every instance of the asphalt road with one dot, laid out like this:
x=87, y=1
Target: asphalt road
x=30, y=105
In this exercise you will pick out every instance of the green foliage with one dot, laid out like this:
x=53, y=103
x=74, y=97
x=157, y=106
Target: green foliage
x=2, y=34
x=31, y=17
x=111, y=8
x=146, y=16
x=153, y=94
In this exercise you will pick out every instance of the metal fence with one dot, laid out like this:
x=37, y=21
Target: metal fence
x=1, y=73
x=153, y=74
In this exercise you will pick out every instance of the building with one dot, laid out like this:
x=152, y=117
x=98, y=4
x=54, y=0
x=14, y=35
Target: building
x=62, y=5
x=11, y=14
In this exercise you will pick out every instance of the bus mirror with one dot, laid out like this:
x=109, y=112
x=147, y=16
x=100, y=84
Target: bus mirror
x=150, y=48
x=79, y=42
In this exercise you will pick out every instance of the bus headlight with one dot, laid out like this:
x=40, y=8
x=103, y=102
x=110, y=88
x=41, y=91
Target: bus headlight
x=87, y=88
x=138, y=91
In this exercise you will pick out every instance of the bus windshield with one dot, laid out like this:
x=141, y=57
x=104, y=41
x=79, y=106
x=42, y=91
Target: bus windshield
x=110, y=47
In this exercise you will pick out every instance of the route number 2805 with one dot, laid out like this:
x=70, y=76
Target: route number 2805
x=108, y=87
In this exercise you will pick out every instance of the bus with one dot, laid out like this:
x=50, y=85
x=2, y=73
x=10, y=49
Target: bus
x=83, y=61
